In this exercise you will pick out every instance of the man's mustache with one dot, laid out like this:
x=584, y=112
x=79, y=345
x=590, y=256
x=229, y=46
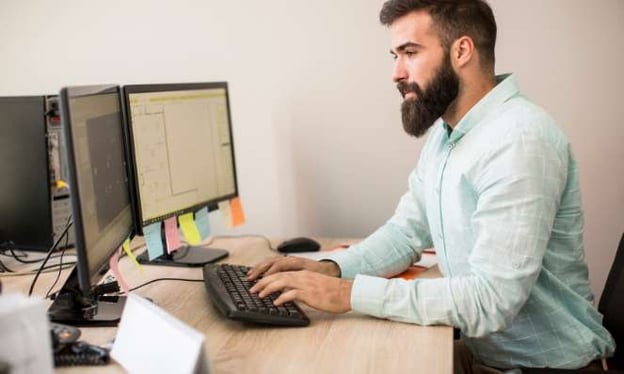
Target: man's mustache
x=405, y=88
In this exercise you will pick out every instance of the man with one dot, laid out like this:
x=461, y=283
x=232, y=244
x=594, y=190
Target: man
x=495, y=192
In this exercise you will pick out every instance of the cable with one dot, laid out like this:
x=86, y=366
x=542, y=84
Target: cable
x=162, y=279
x=65, y=230
x=19, y=256
x=4, y=268
x=46, y=269
x=58, y=275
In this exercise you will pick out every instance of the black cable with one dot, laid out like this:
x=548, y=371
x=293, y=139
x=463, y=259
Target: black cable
x=19, y=257
x=65, y=230
x=162, y=279
x=58, y=275
x=4, y=268
x=45, y=269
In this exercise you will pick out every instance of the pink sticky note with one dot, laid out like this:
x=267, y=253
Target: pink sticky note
x=171, y=234
x=114, y=267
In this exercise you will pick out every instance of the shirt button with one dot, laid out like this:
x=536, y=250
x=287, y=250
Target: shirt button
x=451, y=145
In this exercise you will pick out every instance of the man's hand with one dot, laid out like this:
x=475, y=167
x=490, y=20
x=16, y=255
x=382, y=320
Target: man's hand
x=290, y=263
x=320, y=291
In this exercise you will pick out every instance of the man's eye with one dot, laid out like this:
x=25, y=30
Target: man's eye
x=410, y=53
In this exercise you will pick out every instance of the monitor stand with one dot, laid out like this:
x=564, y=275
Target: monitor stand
x=72, y=307
x=185, y=256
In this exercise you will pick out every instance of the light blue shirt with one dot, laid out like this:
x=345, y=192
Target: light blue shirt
x=499, y=200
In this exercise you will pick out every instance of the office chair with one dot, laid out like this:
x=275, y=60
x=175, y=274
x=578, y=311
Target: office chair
x=611, y=306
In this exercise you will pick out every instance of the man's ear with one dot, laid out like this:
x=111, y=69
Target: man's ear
x=462, y=51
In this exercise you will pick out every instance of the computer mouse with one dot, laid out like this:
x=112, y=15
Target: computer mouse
x=300, y=244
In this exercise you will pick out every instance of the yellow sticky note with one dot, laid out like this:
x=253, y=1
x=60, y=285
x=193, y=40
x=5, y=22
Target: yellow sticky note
x=238, y=217
x=189, y=228
x=126, y=248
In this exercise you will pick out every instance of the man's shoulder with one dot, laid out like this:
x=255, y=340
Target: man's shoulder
x=520, y=116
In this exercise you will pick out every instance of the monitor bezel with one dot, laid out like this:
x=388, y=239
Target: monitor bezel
x=128, y=90
x=86, y=280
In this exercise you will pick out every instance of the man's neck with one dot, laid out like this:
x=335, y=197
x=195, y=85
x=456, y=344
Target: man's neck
x=470, y=92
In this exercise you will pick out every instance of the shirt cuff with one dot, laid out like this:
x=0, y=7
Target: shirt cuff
x=367, y=295
x=345, y=261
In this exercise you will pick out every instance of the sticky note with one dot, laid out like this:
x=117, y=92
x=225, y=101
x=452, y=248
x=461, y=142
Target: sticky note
x=113, y=262
x=153, y=240
x=226, y=213
x=203, y=222
x=238, y=217
x=189, y=228
x=126, y=248
x=171, y=234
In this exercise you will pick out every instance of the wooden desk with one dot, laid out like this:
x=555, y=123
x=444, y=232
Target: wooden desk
x=345, y=343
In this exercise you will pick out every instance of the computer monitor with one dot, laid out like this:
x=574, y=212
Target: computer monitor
x=25, y=195
x=180, y=138
x=101, y=208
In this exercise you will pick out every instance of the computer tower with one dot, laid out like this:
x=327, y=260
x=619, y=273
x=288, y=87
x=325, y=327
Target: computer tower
x=31, y=207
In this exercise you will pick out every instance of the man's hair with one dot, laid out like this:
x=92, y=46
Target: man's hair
x=452, y=20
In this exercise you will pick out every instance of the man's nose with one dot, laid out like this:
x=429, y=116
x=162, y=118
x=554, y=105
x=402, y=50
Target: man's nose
x=399, y=73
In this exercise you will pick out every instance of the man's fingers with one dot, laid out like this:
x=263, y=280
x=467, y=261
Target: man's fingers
x=286, y=296
x=261, y=268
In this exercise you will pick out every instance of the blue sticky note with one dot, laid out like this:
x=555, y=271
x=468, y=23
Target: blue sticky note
x=153, y=240
x=203, y=222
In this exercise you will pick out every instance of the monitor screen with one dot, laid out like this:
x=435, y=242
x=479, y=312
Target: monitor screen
x=181, y=145
x=25, y=207
x=102, y=213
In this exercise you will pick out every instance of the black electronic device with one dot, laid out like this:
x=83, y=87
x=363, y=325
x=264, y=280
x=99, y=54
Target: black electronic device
x=25, y=209
x=299, y=244
x=182, y=158
x=69, y=351
x=228, y=289
x=33, y=211
x=101, y=208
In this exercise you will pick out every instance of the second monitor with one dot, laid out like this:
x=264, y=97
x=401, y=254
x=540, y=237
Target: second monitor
x=180, y=139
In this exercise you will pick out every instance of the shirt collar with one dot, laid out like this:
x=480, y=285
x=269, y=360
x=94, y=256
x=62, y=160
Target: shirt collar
x=506, y=87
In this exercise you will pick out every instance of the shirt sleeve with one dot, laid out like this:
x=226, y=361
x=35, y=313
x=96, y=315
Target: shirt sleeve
x=519, y=186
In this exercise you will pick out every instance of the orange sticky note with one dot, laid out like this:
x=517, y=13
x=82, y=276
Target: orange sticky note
x=238, y=217
x=411, y=272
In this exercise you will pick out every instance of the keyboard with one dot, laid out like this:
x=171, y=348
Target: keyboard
x=228, y=288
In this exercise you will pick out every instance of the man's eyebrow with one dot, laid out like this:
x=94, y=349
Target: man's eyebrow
x=403, y=46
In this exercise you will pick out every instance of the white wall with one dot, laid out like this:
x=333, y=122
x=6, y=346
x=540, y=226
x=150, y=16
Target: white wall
x=319, y=145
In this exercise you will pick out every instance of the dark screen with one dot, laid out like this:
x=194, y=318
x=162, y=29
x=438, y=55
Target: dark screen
x=109, y=179
x=98, y=178
x=25, y=208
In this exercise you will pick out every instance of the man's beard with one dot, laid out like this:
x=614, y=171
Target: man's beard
x=421, y=112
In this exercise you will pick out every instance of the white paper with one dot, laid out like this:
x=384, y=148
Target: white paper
x=150, y=340
x=427, y=260
x=25, y=342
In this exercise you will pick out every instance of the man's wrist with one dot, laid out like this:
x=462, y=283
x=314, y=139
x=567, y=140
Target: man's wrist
x=330, y=268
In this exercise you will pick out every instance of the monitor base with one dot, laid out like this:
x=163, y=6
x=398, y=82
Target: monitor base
x=185, y=256
x=105, y=312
